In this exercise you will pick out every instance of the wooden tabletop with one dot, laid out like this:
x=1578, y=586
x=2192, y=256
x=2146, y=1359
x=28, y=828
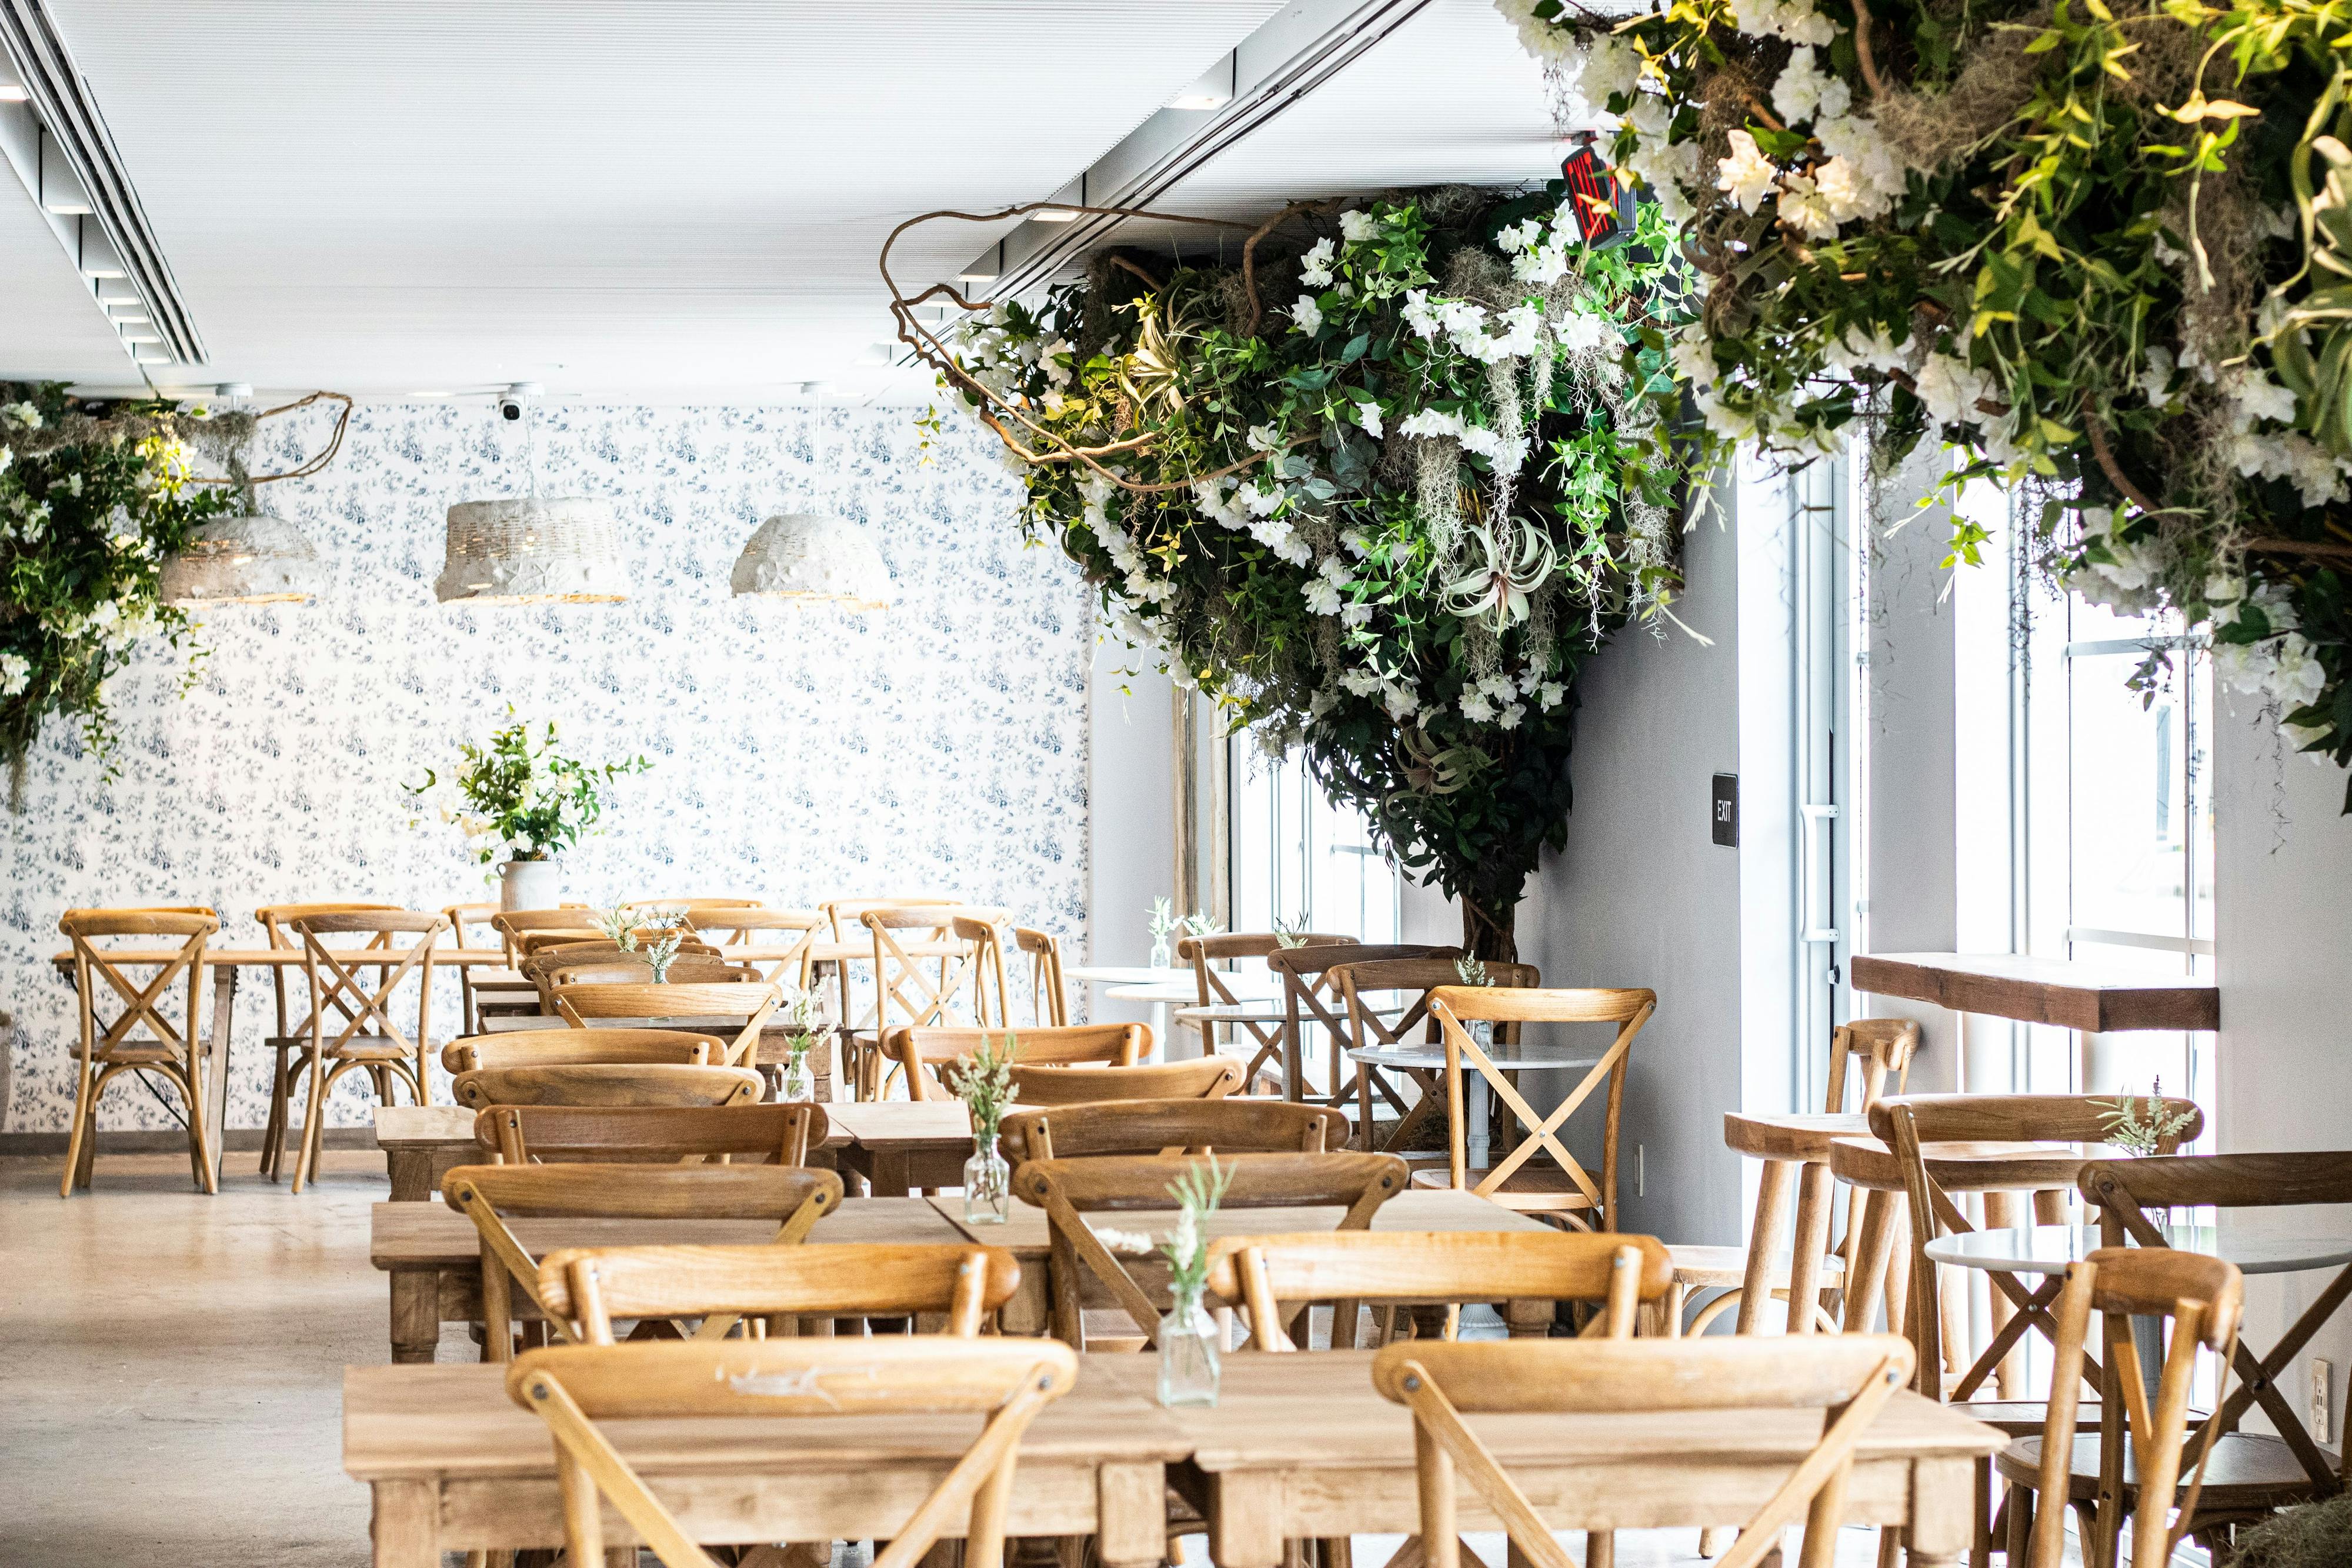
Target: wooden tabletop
x=282, y=957
x=2042, y=990
x=434, y=1235
x=1024, y=1232
x=894, y=1126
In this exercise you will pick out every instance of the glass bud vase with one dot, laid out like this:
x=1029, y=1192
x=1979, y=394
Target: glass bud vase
x=799, y=1083
x=1162, y=957
x=987, y=1181
x=1188, y=1353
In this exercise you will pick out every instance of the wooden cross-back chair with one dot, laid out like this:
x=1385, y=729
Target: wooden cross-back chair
x=608, y=1083
x=111, y=1047
x=750, y=998
x=1212, y=984
x=1202, y=1078
x=979, y=929
x=2250, y=1473
x=793, y=1198
x=1851, y=1377
x=514, y=925
x=1007, y=1381
x=463, y=918
x=1311, y=1000
x=579, y=1047
x=908, y=994
x=1094, y=1128
x=1280, y=1277
x=691, y=907
x=688, y=968
x=588, y=1286
x=749, y=926
x=292, y=1036
x=359, y=1010
x=780, y=1134
x=1369, y=1030
x=1049, y=995
x=926, y=1057
x=563, y=949
x=1070, y=1189
x=2203, y=1298
x=1566, y=1190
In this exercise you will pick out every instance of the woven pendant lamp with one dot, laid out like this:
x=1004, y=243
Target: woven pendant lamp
x=813, y=557
x=255, y=559
x=527, y=550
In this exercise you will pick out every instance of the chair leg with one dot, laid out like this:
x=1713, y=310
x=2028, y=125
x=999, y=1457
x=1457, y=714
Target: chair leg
x=313, y=1118
x=200, y=1133
x=83, y=1135
x=2019, y=1508
x=1600, y=1549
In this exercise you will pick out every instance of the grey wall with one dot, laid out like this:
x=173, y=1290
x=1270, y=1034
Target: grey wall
x=1130, y=789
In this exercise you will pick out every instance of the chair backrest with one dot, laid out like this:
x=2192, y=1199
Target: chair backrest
x=578, y=1047
x=937, y=1049
x=491, y=1195
x=1882, y=1046
x=608, y=1084
x=2203, y=1296
x=799, y=931
x=650, y=1134
x=339, y=949
x=1050, y=996
x=591, y=1285
x=689, y=907
x=274, y=921
x=463, y=917
x=94, y=965
x=845, y=912
x=1357, y=978
x=1006, y=1380
x=1311, y=997
x=1101, y=1128
x=2013, y=1119
x=1279, y=1277
x=1068, y=1190
x=909, y=942
x=627, y=969
x=1848, y=1376
x=750, y=999
x=1204, y=953
x=1202, y=1078
x=514, y=925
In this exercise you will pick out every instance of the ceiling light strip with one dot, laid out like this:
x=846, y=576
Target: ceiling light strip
x=58, y=93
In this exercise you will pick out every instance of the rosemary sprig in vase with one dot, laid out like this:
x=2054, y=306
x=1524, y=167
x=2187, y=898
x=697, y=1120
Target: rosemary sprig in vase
x=986, y=1086
x=1189, y=1349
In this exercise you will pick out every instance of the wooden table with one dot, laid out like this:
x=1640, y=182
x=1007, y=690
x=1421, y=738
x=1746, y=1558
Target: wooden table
x=433, y=1256
x=898, y=1145
x=1026, y=1235
x=454, y=1465
x=422, y=1143
x=1302, y=1446
x=225, y=963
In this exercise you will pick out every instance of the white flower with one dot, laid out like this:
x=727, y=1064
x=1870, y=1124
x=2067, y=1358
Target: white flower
x=1580, y=330
x=1693, y=359
x=104, y=615
x=1260, y=498
x=1506, y=452
x=1521, y=236
x=1431, y=422
x=1747, y=176
x=1610, y=68
x=1859, y=350
x=1358, y=225
x=1361, y=682
x=1403, y=702
x=1950, y=388
x=1508, y=719
x=1322, y=598
x=1550, y=694
x=15, y=674
x=1803, y=208
x=1804, y=90
x=1306, y=315
x=2224, y=588
x=2259, y=398
x=1315, y=266
x=1731, y=424
x=1475, y=707
x=2157, y=378
x=1419, y=314
x=1335, y=572
x=23, y=415
x=1355, y=543
x=1856, y=142
x=2298, y=679
x=1794, y=20
x=1536, y=35
x=1368, y=414
x=1264, y=439
x=1355, y=615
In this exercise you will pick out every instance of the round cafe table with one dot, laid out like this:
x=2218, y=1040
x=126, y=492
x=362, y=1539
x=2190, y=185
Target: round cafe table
x=1159, y=989
x=2049, y=1248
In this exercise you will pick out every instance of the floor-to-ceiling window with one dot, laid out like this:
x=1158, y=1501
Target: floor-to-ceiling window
x=1299, y=859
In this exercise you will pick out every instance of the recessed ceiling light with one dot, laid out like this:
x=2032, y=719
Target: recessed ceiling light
x=1053, y=217
x=12, y=93
x=976, y=274
x=1200, y=100
x=436, y=392
x=142, y=335
x=128, y=316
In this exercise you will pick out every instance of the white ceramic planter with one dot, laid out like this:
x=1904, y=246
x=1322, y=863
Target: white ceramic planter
x=530, y=884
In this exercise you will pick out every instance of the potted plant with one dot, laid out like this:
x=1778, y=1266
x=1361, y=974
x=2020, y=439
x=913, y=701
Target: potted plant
x=986, y=1087
x=519, y=797
x=803, y=1014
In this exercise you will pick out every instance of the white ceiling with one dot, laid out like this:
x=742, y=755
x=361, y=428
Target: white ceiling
x=665, y=201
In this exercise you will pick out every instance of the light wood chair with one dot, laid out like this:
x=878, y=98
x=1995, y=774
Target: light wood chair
x=552, y=952
x=922, y=973
x=1266, y=1041
x=111, y=1047
x=2248, y=1474
x=293, y=1036
x=514, y=925
x=691, y=907
x=782, y=1134
x=750, y=999
x=793, y=1198
x=1049, y=995
x=1311, y=1000
x=463, y=918
x=858, y=1028
x=800, y=931
x=1007, y=1381
x=980, y=929
x=686, y=968
x=1368, y=1031
x=1279, y=1278
x=578, y=1047
x=1564, y=1190
x=608, y=1084
x=1092, y=1127
x=922, y=1055
x=2202, y=1297
x=588, y=1286
x=1202, y=1078
x=1070, y=1189
x=1850, y=1378
x=369, y=1040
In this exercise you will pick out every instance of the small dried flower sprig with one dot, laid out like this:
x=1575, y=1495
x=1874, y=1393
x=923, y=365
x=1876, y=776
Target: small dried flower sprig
x=1291, y=933
x=1197, y=1191
x=620, y=925
x=1472, y=971
x=661, y=952
x=2143, y=1130
x=985, y=1084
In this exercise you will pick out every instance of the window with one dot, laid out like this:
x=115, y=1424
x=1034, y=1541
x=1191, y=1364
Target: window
x=1300, y=859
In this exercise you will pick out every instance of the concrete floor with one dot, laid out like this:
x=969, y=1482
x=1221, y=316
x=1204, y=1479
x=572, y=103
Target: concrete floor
x=170, y=1372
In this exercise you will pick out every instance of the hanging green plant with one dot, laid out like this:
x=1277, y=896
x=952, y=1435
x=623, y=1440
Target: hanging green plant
x=2104, y=252
x=92, y=500
x=1379, y=489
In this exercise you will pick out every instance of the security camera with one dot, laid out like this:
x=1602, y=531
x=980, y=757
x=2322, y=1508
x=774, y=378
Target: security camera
x=516, y=397
x=509, y=407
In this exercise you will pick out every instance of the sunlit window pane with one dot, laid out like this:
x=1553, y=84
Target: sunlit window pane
x=1299, y=859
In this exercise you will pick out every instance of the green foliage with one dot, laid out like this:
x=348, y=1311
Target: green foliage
x=92, y=501
x=2142, y=1128
x=1387, y=516
x=521, y=798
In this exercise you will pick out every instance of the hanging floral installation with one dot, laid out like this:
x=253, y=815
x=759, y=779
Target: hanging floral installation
x=1377, y=479
x=2105, y=253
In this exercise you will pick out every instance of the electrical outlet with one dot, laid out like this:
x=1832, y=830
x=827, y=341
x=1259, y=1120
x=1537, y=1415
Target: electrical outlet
x=2323, y=1399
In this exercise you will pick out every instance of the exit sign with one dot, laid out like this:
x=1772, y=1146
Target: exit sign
x=1724, y=818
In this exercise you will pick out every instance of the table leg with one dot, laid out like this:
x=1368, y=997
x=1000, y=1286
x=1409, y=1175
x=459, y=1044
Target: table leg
x=1528, y=1320
x=2001, y=1213
x=1246, y=1520
x=892, y=1176
x=416, y=1314
x=224, y=1016
x=1131, y=1515
x=411, y=1171
x=404, y=1525
x=1025, y=1313
x=1943, y=1512
x=1763, y=1236
x=1813, y=1240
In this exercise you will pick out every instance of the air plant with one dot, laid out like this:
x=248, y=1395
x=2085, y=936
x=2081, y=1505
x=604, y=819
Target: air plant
x=2143, y=1130
x=1292, y=933
x=620, y=925
x=1509, y=563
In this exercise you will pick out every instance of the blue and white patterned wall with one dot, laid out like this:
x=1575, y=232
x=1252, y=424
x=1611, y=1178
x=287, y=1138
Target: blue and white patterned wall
x=798, y=755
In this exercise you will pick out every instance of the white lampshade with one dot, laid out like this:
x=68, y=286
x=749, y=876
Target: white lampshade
x=811, y=555
x=255, y=559
x=525, y=550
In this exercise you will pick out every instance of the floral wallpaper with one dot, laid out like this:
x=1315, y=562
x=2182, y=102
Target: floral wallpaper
x=798, y=754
